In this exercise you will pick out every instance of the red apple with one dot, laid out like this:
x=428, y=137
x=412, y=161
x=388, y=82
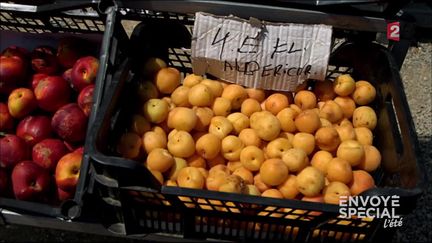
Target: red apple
x=13, y=69
x=52, y=92
x=68, y=170
x=30, y=181
x=44, y=60
x=67, y=75
x=64, y=195
x=85, y=99
x=13, y=150
x=48, y=152
x=79, y=150
x=84, y=72
x=70, y=123
x=21, y=102
x=17, y=51
x=70, y=49
x=36, y=78
x=6, y=120
x=34, y=129
x=4, y=182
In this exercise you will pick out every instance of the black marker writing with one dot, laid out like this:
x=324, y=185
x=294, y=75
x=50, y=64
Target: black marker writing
x=245, y=44
x=253, y=67
x=276, y=48
x=223, y=40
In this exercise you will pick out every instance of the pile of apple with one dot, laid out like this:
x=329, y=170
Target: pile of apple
x=315, y=144
x=46, y=97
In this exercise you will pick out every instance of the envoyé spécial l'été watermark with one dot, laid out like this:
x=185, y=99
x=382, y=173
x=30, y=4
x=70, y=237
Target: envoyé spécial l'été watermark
x=382, y=207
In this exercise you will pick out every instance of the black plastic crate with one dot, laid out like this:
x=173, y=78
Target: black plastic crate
x=99, y=25
x=28, y=2
x=151, y=212
x=81, y=19
x=208, y=214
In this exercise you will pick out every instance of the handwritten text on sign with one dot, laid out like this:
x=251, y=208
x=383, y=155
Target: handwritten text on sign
x=261, y=55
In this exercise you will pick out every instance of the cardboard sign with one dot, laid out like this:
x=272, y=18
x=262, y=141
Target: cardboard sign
x=260, y=54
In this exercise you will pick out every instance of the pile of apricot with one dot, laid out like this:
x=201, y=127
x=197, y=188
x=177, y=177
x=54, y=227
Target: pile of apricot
x=315, y=144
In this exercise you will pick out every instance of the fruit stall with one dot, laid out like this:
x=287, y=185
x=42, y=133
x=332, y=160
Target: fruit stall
x=207, y=120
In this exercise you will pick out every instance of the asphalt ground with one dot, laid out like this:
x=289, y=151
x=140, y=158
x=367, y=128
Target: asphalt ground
x=417, y=227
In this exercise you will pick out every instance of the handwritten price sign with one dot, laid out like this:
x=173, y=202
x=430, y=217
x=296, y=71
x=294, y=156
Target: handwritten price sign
x=259, y=54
